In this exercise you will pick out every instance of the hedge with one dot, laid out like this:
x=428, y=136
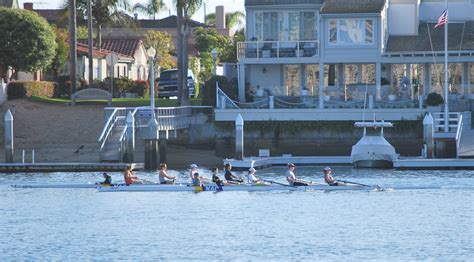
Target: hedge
x=22, y=89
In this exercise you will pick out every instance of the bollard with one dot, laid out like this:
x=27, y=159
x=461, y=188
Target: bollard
x=428, y=134
x=33, y=156
x=23, y=156
x=239, y=137
x=8, y=126
x=151, y=145
x=420, y=102
x=271, y=102
x=130, y=138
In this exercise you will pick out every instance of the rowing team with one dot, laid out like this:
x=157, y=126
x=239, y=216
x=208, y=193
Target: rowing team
x=230, y=179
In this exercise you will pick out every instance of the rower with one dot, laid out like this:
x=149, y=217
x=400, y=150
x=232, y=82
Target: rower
x=196, y=180
x=130, y=178
x=215, y=177
x=291, y=177
x=163, y=175
x=329, y=179
x=231, y=179
x=107, y=180
x=252, y=179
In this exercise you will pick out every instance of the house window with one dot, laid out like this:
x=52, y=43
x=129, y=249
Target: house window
x=351, y=31
x=268, y=26
x=285, y=26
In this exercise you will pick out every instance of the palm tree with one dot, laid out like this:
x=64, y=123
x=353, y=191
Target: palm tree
x=106, y=12
x=185, y=9
x=151, y=8
x=231, y=19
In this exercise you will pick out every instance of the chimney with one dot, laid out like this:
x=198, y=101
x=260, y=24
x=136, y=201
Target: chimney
x=28, y=6
x=136, y=16
x=220, y=17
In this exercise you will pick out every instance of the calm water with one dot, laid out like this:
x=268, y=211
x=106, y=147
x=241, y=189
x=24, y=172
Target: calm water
x=81, y=224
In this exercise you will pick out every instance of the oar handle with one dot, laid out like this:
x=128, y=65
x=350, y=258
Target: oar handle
x=353, y=183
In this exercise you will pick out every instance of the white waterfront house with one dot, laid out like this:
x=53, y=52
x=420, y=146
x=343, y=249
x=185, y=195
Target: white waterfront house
x=316, y=60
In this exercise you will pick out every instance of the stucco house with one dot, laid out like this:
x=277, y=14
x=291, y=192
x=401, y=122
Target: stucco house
x=9, y=3
x=329, y=54
x=132, y=62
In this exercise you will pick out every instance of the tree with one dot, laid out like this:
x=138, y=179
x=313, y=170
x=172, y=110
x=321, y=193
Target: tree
x=231, y=19
x=27, y=41
x=206, y=40
x=151, y=8
x=163, y=44
x=106, y=12
x=185, y=9
x=61, y=52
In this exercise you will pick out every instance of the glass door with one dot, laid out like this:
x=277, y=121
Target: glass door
x=292, y=80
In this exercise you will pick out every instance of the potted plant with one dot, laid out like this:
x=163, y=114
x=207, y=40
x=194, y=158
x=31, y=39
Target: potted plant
x=434, y=101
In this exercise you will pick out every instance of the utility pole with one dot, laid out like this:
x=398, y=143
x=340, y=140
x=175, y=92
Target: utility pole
x=91, y=43
x=72, y=45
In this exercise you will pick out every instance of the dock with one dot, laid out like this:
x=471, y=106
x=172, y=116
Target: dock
x=261, y=162
x=65, y=167
x=401, y=163
x=433, y=163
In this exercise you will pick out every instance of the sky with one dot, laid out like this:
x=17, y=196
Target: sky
x=229, y=6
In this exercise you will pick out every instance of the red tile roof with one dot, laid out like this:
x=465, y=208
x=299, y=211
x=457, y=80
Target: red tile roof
x=124, y=47
x=84, y=50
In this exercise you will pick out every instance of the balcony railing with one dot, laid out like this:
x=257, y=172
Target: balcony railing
x=277, y=49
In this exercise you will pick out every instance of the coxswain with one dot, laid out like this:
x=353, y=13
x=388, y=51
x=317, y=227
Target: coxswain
x=291, y=177
x=107, y=180
x=163, y=175
x=231, y=179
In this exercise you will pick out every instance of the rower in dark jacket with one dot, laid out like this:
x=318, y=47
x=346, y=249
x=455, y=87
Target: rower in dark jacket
x=230, y=177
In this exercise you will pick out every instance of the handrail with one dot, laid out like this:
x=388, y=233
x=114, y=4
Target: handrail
x=111, y=117
x=459, y=133
x=220, y=93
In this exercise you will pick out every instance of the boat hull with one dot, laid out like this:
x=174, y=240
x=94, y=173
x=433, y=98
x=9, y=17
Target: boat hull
x=373, y=164
x=215, y=188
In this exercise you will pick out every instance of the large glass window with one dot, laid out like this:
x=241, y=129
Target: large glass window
x=312, y=80
x=351, y=31
x=285, y=26
x=268, y=26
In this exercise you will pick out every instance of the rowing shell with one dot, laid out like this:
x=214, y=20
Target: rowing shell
x=54, y=186
x=215, y=188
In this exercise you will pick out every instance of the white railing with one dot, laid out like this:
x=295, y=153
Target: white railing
x=277, y=49
x=115, y=117
x=453, y=121
x=458, y=134
x=223, y=101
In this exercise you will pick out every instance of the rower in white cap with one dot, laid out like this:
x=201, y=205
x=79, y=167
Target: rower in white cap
x=252, y=179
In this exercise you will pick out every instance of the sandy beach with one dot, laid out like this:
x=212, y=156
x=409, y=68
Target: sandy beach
x=57, y=132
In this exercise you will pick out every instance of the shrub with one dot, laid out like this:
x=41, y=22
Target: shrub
x=209, y=89
x=434, y=99
x=22, y=89
x=140, y=87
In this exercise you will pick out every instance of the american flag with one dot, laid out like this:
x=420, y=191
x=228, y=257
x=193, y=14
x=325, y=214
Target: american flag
x=443, y=19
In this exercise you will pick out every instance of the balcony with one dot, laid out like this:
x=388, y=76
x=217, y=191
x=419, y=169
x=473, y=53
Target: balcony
x=277, y=49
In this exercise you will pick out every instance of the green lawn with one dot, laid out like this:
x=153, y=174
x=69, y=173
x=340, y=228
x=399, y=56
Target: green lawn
x=120, y=102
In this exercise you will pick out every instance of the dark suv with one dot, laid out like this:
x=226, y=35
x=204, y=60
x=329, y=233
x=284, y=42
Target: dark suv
x=168, y=83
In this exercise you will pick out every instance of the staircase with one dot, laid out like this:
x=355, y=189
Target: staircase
x=466, y=144
x=111, y=151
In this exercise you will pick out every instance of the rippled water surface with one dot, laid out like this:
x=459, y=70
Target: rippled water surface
x=82, y=224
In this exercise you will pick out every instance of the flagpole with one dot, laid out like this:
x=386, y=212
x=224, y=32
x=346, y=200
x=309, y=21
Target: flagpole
x=446, y=98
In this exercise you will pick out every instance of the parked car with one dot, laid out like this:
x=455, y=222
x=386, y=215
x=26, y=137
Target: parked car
x=168, y=83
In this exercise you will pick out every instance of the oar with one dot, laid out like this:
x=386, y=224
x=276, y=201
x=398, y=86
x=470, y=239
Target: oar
x=277, y=183
x=377, y=186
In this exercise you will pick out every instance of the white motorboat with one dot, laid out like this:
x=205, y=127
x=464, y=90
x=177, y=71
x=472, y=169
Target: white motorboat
x=373, y=150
